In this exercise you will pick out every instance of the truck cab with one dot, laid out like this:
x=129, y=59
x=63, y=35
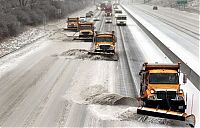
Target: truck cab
x=86, y=30
x=117, y=12
x=72, y=23
x=105, y=42
x=160, y=86
x=108, y=10
x=121, y=19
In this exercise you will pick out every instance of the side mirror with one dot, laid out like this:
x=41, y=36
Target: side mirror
x=140, y=73
x=184, y=78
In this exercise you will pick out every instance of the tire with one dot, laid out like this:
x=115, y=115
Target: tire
x=141, y=91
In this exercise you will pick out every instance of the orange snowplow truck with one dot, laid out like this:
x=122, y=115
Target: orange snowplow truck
x=86, y=30
x=105, y=42
x=160, y=92
x=72, y=23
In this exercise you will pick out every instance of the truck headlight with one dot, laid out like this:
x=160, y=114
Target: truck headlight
x=152, y=91
x=181, y=91
x=151, y=97
x=180, y=107
x=180, y=98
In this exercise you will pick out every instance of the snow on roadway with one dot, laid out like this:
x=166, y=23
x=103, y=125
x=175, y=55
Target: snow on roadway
x=101, y=73
x=173, y=45
x=153, y=54
x=36, y=54
x=11, y=61
x=34, y=34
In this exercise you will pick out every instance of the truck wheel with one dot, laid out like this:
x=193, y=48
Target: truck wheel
x=141, y=91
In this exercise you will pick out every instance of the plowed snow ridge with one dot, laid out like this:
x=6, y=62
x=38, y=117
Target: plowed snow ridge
x=98, y=95
x=84, y=55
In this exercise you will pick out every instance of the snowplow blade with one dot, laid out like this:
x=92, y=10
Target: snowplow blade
x=84, y=39
x=70, y=29
x=112, y=56
x=189, y=119
x=161, y=113
x=101, y=53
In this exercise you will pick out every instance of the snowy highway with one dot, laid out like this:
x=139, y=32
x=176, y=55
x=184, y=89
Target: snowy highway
x=53, y=82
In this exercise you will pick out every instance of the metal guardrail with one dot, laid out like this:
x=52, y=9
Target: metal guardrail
x=191, y=74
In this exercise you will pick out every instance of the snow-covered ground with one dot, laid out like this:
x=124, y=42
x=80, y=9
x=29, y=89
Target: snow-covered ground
x=33, y=34
x=20, y=41
x=185, y=53
x=192, y=6
x=53, y=83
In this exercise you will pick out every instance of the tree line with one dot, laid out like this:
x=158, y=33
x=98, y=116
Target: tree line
x=16, y=14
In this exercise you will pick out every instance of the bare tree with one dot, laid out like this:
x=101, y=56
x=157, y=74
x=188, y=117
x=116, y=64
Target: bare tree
x=23, y=2
x=33, y=3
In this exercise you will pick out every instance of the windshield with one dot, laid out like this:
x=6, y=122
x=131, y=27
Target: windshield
x=164, y=78
x=104, y=39
x=72, y=20
x=118, y=11
x=121, y=18
x=85, y=27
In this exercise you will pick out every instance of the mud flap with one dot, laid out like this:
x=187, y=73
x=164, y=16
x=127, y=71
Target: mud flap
x=189, y=119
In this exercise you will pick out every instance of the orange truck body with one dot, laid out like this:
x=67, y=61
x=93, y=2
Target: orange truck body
x=105, y=42
x=72, y=23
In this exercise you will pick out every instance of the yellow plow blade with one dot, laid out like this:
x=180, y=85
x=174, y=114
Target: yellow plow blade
x=189, y=119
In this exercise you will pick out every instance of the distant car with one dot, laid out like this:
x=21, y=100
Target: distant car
x=115, y=7
x=108, y=20
x=88, y=15
x=118, y=11
x=155, y=8
x=96, y=19
x=91, y=12
x=83, y=19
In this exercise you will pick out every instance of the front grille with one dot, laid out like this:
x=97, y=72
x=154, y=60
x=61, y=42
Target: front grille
x=166, y=94
x=85, y=33
x=104, y=47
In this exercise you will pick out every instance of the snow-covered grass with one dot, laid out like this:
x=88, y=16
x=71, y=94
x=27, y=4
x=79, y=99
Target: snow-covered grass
x=15, y=43
x=34, y=33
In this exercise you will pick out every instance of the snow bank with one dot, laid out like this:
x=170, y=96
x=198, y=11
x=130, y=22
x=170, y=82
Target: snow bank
x=97, y=94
